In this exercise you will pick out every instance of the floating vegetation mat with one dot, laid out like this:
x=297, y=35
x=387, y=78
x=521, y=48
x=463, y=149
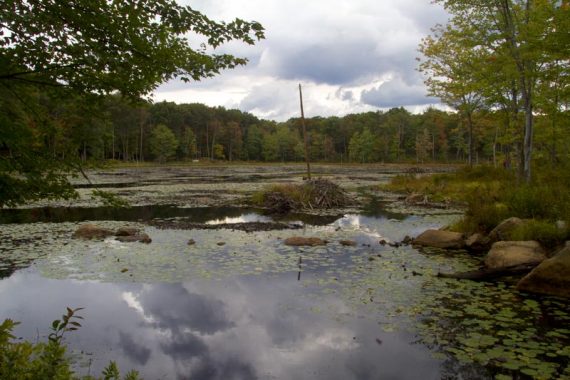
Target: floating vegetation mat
x=487, y=329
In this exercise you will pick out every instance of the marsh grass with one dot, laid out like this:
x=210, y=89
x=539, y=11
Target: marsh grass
x=491, y=195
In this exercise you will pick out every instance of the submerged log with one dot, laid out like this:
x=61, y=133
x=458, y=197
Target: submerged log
x=489, y=274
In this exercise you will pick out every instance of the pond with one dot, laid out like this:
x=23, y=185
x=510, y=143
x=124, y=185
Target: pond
x=242, y=305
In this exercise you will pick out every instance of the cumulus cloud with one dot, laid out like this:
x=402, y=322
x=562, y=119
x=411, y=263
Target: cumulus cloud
x=342, y=49
x=397, y=92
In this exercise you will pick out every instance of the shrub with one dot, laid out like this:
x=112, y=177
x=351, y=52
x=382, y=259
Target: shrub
x=546, y=233
x=45, y=360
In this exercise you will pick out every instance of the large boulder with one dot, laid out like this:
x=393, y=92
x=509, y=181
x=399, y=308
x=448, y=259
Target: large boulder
x=504, y=229
x=300, y=241
x=440, y=239
x=91, y=231
x=552, y=276
x=510, y=253
x=478, y=242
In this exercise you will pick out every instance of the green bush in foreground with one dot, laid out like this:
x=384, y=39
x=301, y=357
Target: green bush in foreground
x=46, y=360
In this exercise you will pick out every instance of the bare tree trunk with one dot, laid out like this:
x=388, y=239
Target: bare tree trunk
x=307, y=158
x=141, y=159
x=207, y=140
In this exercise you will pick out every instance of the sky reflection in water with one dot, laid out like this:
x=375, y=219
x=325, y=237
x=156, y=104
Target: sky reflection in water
x=237, y=327
x=242, y=328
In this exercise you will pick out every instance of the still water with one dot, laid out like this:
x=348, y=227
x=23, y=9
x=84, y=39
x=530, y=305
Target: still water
x=238, y=305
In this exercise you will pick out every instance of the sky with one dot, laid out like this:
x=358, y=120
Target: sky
x=350, y=56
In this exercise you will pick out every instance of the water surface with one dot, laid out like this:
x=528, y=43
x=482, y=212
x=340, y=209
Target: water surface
x=238, y=305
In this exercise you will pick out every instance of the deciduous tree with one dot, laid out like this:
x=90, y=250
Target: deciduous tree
x=89, y=48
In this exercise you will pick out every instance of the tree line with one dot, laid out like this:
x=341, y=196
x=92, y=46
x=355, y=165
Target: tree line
x=117, y=129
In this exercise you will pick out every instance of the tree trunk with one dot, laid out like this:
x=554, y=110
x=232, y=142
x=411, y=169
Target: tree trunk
x=141, y=159
x=470, y=138
x=495, y=145
x=553, y=145
x=207, y=140
x=113, y=136
x=528, y=135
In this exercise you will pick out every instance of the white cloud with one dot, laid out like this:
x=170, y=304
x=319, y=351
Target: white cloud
x=340, y=50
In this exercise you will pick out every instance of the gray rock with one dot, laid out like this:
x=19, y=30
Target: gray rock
x=504, y=229
x=440, y=239
x=551, y=277
x=478, y=242
x=510, y=253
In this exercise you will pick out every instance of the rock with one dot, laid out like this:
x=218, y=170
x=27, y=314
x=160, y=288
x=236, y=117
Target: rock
x=191, y=242
x=348, y=243
x=127, y=231
x=478, y=242
x=552, y=276
x=504, y=229
x=143, y=238
x=382, y=242
x=91, y=231
x=221, y=243
x=561, y=225
x=511, y=253
x=407, y=240
x=440, y=239
x=299, y=241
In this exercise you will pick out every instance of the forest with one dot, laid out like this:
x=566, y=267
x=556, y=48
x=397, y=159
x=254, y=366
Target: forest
x=116, y=129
